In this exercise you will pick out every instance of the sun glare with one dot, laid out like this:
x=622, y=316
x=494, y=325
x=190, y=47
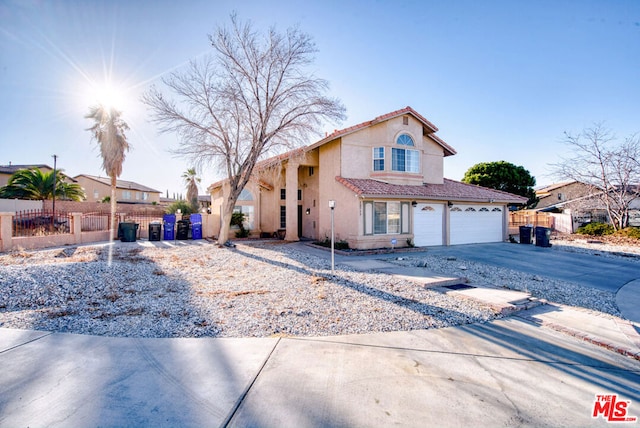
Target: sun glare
x=108, y=95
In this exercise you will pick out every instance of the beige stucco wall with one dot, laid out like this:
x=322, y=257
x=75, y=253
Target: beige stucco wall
x=357, y=153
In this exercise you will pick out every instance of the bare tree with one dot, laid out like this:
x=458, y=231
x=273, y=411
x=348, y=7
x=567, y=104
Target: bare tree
x=253, y=98
x=608, y=166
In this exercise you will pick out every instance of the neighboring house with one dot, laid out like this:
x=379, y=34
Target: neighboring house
x=127, y=192
x=386, y=178
x=556, y=196
x=6, y=171
x=582, y=202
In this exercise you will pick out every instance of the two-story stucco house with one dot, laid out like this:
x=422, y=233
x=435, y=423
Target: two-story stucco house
x=386, y=178
x=127, y=192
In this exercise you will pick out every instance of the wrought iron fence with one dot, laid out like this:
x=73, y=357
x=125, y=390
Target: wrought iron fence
x=95, y=221
x=41, y=223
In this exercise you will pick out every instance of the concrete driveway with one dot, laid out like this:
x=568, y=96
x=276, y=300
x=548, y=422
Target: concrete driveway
x=604, y=273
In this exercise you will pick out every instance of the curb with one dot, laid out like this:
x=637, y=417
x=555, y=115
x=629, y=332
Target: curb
x=623, y=350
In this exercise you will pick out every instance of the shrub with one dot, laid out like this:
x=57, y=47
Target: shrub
x=338, y=245
x=184, y=207
x=237, y=219
x=630, y=232
x=597, y=229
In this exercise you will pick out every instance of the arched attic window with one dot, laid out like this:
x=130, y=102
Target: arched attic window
x=405, y=140
x=245, y=195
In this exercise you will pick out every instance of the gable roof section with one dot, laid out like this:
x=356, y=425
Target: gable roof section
x=120, y=184
x=450, y=190
x=12, y=169
x=429, y=128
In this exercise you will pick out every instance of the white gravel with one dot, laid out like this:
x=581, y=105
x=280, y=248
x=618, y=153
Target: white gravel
x=257, y=290
x=202, y=290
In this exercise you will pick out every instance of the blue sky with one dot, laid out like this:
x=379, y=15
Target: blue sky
x=502, y=80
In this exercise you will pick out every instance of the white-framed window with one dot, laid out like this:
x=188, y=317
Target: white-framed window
x=249, y=217
x=405, y=160
x=378, y=158
x=96, y=194
x=405, y=140
x=138, y=196
x=246, y=195
x=386, y=218
x=126, y=194
x=145, y=196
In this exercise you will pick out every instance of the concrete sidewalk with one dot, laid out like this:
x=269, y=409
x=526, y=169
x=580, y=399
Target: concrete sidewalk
x=503, y=373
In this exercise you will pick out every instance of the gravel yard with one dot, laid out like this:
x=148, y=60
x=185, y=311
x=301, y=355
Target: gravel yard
x=202, y=290
x=257, y=290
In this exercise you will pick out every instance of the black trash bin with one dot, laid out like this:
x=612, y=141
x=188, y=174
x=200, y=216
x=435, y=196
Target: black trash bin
x=543, y=236
x=129, y=231
x=526, y=235
x=154, y=230
x=169, y=221
x=183, y=229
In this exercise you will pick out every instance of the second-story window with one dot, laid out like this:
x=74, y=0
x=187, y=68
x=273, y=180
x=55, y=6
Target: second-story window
x=126, y=194
x=405, y=160
x=378, y=158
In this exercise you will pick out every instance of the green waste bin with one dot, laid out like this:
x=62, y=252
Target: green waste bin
x=129, y=231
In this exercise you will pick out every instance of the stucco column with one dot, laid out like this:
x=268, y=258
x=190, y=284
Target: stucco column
x=76, y=227
x=6, y=231
x=291, y=184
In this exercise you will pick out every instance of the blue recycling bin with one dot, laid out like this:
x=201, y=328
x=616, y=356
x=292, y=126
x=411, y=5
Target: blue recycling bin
x=169, y=223
x=196, y=226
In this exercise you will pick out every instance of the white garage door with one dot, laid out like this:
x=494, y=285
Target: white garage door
x=427, y=224
x=473, y=224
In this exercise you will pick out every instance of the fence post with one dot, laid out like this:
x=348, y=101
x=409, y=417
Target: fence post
x=76, y=227
x=6, y=231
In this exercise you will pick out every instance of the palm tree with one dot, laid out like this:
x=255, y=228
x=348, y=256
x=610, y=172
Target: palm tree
x=35, y=184
x=191, y=181
x=109, y=132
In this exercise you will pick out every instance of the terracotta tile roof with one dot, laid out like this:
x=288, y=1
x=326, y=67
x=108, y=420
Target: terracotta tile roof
x=407, y=110
x=450, y=190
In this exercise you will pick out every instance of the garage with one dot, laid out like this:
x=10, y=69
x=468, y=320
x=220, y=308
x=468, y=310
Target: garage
x=474, y=224
x=427, y=224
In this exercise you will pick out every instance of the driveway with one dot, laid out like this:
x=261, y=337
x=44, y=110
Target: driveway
x=604, y=273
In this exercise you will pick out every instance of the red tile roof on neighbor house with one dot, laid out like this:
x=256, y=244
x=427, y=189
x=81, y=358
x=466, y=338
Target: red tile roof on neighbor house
x=450, y=190
x=448, y=150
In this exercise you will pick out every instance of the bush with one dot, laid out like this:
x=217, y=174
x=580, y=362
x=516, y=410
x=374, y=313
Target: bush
x=630, y=232
x=237, y=219
x=184, y=207
x=338, y=245
x=597, y=229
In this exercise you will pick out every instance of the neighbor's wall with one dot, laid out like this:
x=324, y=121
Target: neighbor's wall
x=13, y=205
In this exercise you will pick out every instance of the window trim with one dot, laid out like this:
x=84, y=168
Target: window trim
x=376, y=150
x=396, y=150
x=369, y=218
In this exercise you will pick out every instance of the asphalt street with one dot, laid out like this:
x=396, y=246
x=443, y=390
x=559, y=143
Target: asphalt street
x=608, y=274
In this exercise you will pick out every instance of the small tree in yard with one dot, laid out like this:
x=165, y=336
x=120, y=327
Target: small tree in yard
x=609, y=167
x=254, y=98
x=191, y=180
